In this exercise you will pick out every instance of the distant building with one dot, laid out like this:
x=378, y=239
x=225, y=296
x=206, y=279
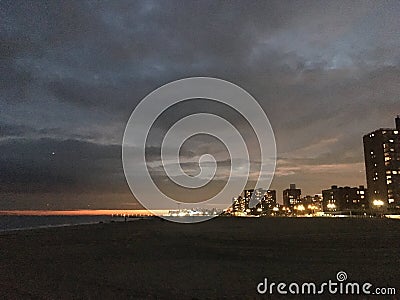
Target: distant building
x=263, y=199
x=267, y=200
x=307, y=200
x=382, y=166
x=291, y=196
x=269, y=197
x=313, y=203
x=344, y=198
x=241, y=204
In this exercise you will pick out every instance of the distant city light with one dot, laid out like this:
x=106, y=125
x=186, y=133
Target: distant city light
x=331, y=206
x=378, y=203
x=300, y=207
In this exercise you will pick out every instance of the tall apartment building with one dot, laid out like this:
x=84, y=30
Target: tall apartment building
x=267, y=200
x=382, y=166
x=291, y=196
x=264, y=199
x=344, y=198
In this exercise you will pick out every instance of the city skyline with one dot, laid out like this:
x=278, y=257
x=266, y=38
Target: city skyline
x=325, y=74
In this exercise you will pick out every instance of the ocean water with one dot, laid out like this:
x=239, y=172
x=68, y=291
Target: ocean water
x=13, y=222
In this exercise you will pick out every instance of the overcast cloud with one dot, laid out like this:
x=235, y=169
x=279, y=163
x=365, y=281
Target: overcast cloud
x=325, y=72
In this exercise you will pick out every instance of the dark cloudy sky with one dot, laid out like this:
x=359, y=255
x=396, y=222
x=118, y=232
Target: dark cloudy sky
x=71, y=72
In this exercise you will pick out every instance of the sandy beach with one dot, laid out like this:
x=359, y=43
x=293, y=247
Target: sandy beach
x=222, y=258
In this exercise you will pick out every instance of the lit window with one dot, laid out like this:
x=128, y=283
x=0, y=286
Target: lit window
x=388, y=177
x=395, y=132
x=387, y=158
x=391, y=200
x=388, y=181
x=362, y=192
x=394, y=172
x=391, y=141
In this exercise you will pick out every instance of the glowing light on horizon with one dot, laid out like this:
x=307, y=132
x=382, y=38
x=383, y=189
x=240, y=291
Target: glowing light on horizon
x=84, y=212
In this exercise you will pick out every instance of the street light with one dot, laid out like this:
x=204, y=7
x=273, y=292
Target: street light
x=378, y=203
x=331, y=206
x=300, y=207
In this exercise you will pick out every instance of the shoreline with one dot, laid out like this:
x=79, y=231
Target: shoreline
x=4, y=231
x=78, y=223
x=79, y=212
x=120, y=219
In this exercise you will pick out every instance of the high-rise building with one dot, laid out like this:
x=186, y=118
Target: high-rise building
x=382, y=166
x=241, y=204
x=291, y=196
x=269, y=197
x=264, y=199
x=267, y=200
x=344, y=198
x=238, y=205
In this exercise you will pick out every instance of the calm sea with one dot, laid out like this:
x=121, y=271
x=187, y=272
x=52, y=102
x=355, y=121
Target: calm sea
x=29, y=222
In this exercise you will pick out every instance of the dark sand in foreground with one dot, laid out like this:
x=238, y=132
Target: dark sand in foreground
x=224, y=257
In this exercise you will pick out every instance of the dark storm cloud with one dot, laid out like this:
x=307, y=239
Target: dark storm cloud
x=326, y=72
x=53, y=165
